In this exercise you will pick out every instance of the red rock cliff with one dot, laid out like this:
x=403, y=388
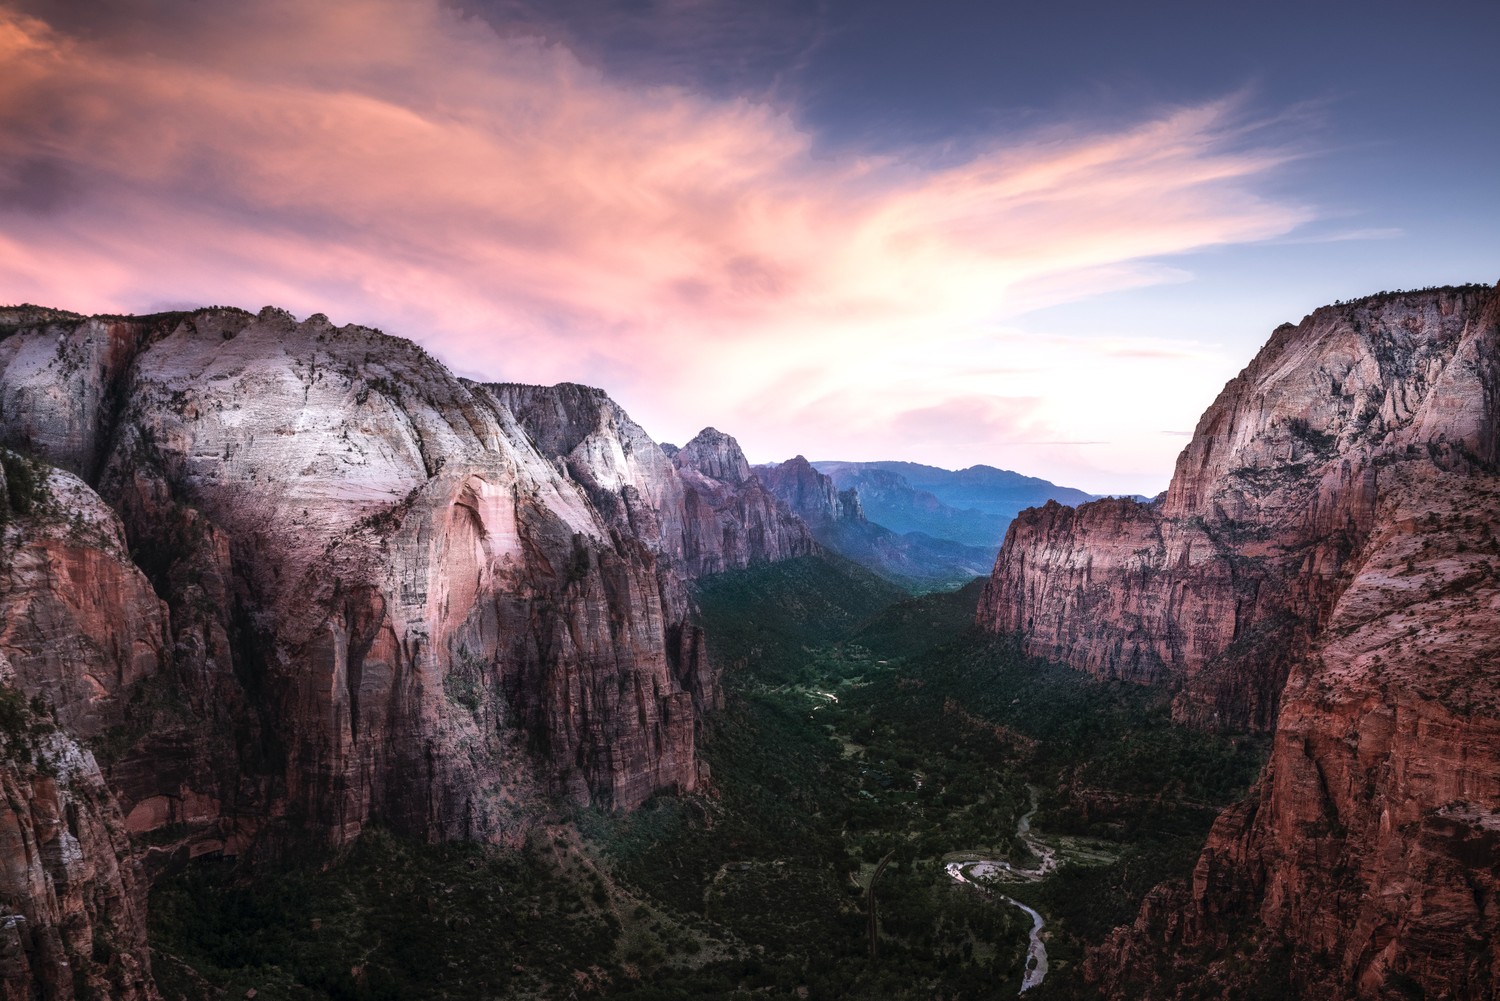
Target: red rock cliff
x=1327, y=544
x=80, y=630
x=1244, y=556
x=390, y=599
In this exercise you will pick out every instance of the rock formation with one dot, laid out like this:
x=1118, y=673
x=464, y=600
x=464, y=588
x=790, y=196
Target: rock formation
x=79, y=628
x=811, y=494
x=699, y=505
x=290, y=579
x=1324, y=562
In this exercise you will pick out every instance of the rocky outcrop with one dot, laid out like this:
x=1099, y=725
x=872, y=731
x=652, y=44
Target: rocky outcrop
x=79, y=622
x=74, y=921
x=1244, y=556
x=1367, y=861
x=1325, y=560
x=811, y=494
x=289, y=580
x=81, y=631
x=353, y=587
x=323, y=584
x=699, y=506
x=715, y=455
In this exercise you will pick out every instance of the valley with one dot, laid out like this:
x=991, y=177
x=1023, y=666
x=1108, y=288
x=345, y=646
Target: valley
x=326, y=674
x=859, y=724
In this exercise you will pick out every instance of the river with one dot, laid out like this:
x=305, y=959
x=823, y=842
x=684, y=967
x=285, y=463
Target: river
x=971, y=871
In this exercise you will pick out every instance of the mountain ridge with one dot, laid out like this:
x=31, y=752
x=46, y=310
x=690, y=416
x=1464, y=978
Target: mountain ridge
x=360, y=591
x=1322, y=568
x=838, y=521
x=973, y=506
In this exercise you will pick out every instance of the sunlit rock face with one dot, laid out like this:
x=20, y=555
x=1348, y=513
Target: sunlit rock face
x=296, y=579
x=348, y=587
x=1268, y=510
x=1325, y=564
x=700, y=505
x=292, y=580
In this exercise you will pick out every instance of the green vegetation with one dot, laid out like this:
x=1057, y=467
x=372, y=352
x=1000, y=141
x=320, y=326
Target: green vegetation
x=24, y=726
x=858, y=723
x=25, y=485
x=761, y=621
x=388, y=919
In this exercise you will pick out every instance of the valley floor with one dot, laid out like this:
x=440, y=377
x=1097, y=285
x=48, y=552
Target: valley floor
x=861, y=726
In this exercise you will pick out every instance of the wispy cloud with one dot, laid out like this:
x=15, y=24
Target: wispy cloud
x=1347, y=235
x=528, y=217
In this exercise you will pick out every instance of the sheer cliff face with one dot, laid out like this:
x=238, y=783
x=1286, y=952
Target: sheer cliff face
x=701, y=506
x=1368, y=850
x=389, y=594
x=80, y=630
x=1327, y=541
x=323, y=583
x=1267, y=510
x=811, y=494
x=68, y=882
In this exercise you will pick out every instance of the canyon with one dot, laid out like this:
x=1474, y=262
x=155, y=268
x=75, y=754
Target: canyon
x=278, y=582
x=1322, y=567
x=269, y=586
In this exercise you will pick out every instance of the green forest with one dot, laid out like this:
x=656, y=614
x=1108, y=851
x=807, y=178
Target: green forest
x=861, y=726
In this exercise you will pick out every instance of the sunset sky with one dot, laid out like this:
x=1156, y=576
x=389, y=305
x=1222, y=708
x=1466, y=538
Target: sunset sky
x=1037, y=236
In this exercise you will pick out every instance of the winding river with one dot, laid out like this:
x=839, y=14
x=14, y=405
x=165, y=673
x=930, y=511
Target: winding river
x=973, y=870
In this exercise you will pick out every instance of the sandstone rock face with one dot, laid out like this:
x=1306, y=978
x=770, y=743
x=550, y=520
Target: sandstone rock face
x=394, y=595
x=80, y=631
x=73, y=898
x=324, y=583
x=1370, y=849
x=699, y=506
x=79, y=622
x=1327, y=546
x=811, y=494
x=1268, y=507
x=715, y=455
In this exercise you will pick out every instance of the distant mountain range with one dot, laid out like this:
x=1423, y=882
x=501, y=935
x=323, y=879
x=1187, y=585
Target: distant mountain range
x=972, y=506
x=838, y=522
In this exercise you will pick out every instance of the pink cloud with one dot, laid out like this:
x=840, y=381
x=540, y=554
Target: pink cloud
x=398, y=164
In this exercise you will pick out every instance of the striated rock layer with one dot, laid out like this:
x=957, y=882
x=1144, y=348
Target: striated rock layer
x=1268, y=508
x=289, y=580
x=701, y=507
x=1325, y=560
x=80, y=628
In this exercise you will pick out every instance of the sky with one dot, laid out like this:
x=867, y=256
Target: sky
x=1039, y=236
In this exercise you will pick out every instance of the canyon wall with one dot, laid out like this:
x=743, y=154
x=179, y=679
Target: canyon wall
x=1268, y=507
x=1323, y=564
x=287, y=580
x=700, y=506
x=80, y=630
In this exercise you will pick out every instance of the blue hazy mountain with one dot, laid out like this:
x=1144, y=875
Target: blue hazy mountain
x=972, y=506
